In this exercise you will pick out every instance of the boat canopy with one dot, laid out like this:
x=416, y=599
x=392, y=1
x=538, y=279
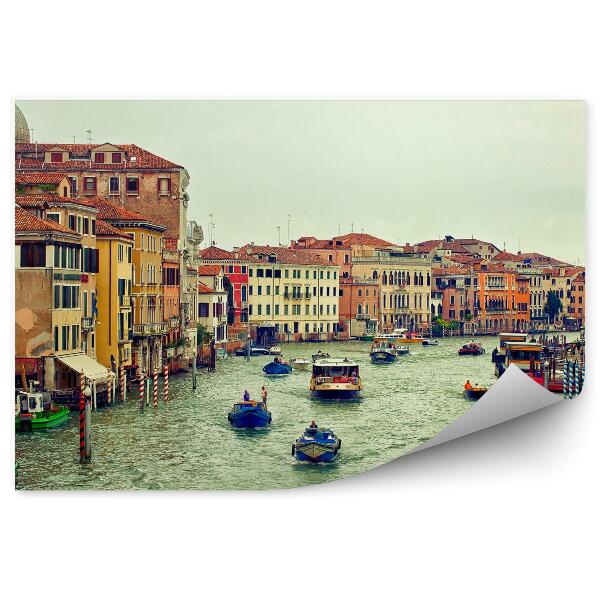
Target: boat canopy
x=92, y=370
x=512, y=337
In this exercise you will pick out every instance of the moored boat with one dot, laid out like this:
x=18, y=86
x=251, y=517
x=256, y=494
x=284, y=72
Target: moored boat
x=320, y=354
x=335, y=378
x=275, y=350
x=300, y=363
x=474, y=393
x=254, y=351
x=35, y=411
x=527, y=356
x=249, y=414
x=383, y=353
x=428, y=342
x=471, y=349
x=277, y=367
x=401, y=350
x=316, y=445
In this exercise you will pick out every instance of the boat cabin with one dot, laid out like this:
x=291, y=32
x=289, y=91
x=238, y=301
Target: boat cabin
x=525, y=355
x=33, y=402
x=334, y=368
x=512, y=337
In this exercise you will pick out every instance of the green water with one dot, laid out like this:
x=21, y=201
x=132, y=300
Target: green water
x=189, y=444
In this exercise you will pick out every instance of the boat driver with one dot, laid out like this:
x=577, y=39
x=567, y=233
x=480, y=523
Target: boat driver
x=468, y=385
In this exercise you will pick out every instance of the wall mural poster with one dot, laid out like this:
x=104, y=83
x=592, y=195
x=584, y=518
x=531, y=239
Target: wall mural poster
x=273, y=294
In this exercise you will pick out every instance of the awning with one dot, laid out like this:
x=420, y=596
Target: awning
x=82, y=362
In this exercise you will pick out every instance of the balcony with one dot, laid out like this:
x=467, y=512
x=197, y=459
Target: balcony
x=148, y=329
x=365, y=317
x=174, y=322
x=124, y=300
x=87, y=323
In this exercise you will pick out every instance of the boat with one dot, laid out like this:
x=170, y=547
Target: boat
x=317, y=445
x=254, y=351
x=221, y=353
x=249, y=414
x=300, y=363
x=275, y=350
x=427, y=342
x=399, y=336
x=474, y=393
x=383, y=353
x=499, y=354
x=35, y=411
x=320, y=354
x=471, y=349
x=527, y=356
x=335, y=378
x=277, y=368
x=400, y=350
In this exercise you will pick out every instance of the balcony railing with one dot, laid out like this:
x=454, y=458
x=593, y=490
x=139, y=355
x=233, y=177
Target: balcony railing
x=174, y=322
x=142, y=329
x=365, y=317
x=87, y=322
x=124, y=300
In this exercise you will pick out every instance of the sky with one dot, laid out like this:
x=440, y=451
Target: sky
x=509, y=172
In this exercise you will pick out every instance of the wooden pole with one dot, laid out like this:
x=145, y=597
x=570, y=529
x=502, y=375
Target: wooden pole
x=155, y=388
x=122, y=382
x=194, y=370
x=142, y=381
x=81, y=418
x=166, y=386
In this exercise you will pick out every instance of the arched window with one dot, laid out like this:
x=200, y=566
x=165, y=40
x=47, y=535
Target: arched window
x=408, y=279
x=359, y=309
x=359, y=292
x=375, y=275
x=384, y=278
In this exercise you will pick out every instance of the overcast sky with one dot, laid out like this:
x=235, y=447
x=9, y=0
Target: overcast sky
x=509, y=172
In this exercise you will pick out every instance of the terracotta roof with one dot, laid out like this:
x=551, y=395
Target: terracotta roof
x=25, y=221
x=204, y=289
x=31, y=202
x=215, y=253
x=440, y=272
x=284, y=255
x=80, y=156
x=507, y=256
x=362, y=239
x=107, y=230
x=209, y=270
x=36, y=177
x=541, y=259
x=112, y=212
x=463, y=259
x=569, y=271
x=311, y=243
x=170, y=244
x=52, y=200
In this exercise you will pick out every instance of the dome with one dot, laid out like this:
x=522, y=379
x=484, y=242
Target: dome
x=21, y=127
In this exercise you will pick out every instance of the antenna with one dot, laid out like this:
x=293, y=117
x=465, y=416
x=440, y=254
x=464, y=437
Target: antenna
x=352, y=227
x=73, y=139
x=289, y=221
x=339, y=229
x=89, y=136
x=210, y=229
x=279, y=234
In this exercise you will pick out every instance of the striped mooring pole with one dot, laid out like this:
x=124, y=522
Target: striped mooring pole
x=81, y=419
x=166, y=371
x=565, y=369
x=155, y=388
x=142, y=381
x=122, y=382
x=570, y=380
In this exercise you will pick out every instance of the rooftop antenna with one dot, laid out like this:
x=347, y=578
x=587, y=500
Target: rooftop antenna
x=339, y=229
x=352, y=227
x=289, y=221
x=279, y=234
x=519, y=244
x=89, y=135
x=210, y=228
x=73, y=139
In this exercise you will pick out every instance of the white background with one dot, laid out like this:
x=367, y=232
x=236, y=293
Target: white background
x=507, y=513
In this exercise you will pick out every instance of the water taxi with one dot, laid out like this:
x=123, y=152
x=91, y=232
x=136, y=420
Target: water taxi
x=401, y=350
x=249, y=415
x=427, y=342
x=300, y=363
x=499, y=354
x=471, y=349
x=527, y=356
x=335, y=378
x=383, y=353
x=399, y=336
x=316, y=444
x=34, y=411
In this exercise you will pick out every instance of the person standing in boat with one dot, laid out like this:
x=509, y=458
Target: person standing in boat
x=246, y=396
x=468, y=386
x=263, y=394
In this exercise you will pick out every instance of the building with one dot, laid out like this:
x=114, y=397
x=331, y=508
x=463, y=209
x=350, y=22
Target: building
x=235, y=269
x=212, y=302
x=149, y=326
x=454, y=290
x=114, y=327
x=171, y=282
x=48, y=307
x=576, y=309
x=293, y=294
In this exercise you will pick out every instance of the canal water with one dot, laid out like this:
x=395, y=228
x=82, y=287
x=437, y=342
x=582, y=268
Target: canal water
x=189, y=444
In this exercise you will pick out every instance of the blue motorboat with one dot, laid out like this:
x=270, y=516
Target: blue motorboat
x=383, y=353
x=317, y=445
x=249, y=415
x=277, y=368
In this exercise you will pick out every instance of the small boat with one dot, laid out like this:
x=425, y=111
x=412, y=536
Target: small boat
x=400, y=350
x=399, y=336
x=471, y=349
x=301, y=364
x=34, y=411
x=320, y=354
x=427, y=342
x=254, y=351
x=317, y=445
x=383, y=353
x=277, y=368
x=474, y=393
x=221, y=353
x=335, y=378
x=249, y=415
x=275, y=350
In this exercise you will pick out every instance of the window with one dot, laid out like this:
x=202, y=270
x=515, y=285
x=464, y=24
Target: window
x=93, y=226
x=243, y=268
x=56, y=339
x=164, y=186
x=116, y=157
x=100, y=157
x=89, y=185
x=56, y=157
x=86, y=225
x=120, y=254
x=65, y=337
x=33, y=255
x=129, y=254
x=74, y=336
x=113, y=185
x=73, y=186
x=133, y=185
